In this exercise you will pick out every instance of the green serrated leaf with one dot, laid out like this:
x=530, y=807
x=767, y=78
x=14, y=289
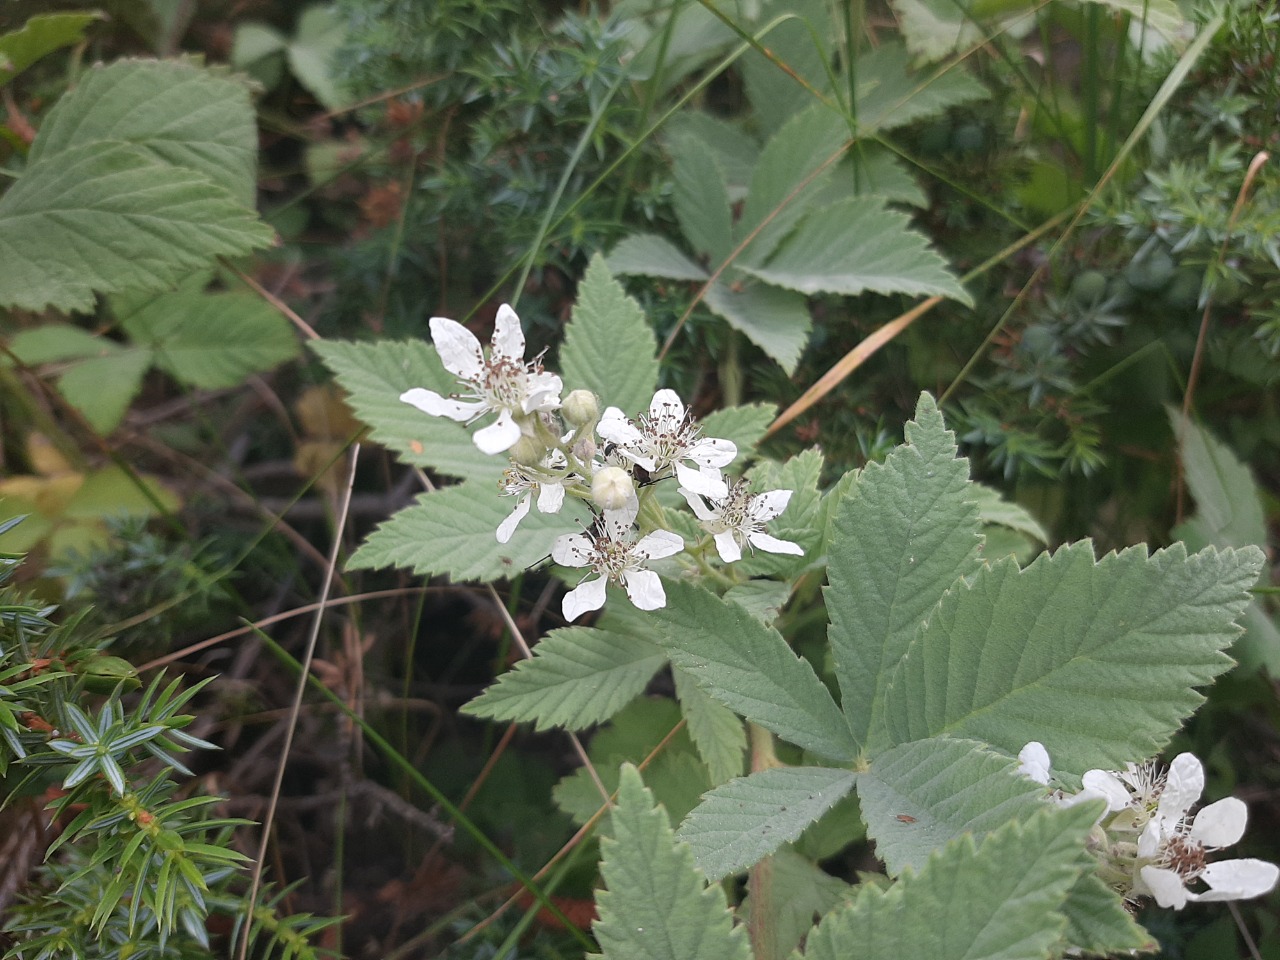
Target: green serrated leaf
x=1098, y=923
x=919, y=796
x=743, y=821
x=578, y=676
x=892, y=95
x=656, y=906
x=176, y=111
x=1095, y=659
x=763, y=599
x=776, y=321
x=800, y=890
x=736, y=153
x=935, y=29
x=716, y=730
x=375, y=374
x=105, y=217
x=902, y=532
x=998, y=901
x=102, y=388
x=858, y=245
x=211, y=340
x=701, y=199
x=1228, y=509
x=39, y=36
x=648, y=255
x=55, y=342
x=321, y=31
x=994, y=509
x=453, y=532
x=744, y=425
x=609, y=347
x=750, y=669
x=803, y=44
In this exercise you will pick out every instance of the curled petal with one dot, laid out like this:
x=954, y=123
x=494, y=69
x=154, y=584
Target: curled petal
x=615, y=426
x=1033, y=762
x=572, y=550
x=706, y=481
x=698, y=505
x=773, y=545
x=1183, y=786
x=550, y=497
x=710, y=452
x=458, y=348
x=1150, y=839
x=543, y=392
x=1107, y=785
x=644, y=587
x=767, y=505
x=1238, y=879
x=500, y=435
x=1166, y=887
x=586, y=596
x=1220, y=824
x=508, y=526
x=428, y=401
x=659, y=544
x=508, y=338
x=728, y=547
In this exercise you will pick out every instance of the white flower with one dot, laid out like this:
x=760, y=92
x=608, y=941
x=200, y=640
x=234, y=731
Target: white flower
x=668, y=437
x=502, y=383
x=1174, y=844
x=738, y=518
x=523, y=482
x=1033, y=762
x=611, y=554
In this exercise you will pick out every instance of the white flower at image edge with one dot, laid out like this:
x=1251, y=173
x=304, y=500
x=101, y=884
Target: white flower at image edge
x=501, y=383
x=1178, y=842
x=612, y=555
x=668, y=437
x=737, y=520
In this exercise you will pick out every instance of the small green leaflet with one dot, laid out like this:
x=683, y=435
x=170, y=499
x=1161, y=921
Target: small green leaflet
x=656, y=905
x=39, y=36
x=744, y=425
x=701, y=199
x=797, y=889
x=716, y=730
x=777, y=321
x=648, y=255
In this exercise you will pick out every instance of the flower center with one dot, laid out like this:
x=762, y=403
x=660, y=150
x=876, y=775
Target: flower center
x=1184, y=856
x=504, y=383
x=668, y=436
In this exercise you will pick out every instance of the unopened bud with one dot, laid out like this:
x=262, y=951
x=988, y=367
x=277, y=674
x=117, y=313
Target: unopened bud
x=611, y=488
x=580, y=408
x=528, y=451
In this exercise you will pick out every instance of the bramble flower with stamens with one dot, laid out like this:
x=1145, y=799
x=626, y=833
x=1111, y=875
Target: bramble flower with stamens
x=737, y=520
x=501, y=383
x=545, y=485
x=611, y=553
x=668, y=437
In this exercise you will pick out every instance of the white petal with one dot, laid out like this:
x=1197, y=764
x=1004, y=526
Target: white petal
x=1034, y=762
x=1220, y=824
x=508, y=526
x=1150, y=839
x=458, y=348
x=644, y=587
x=550, y=497
x=1239, y=879
x=1107, y=785
x=767, y=505
x=710, y=452
x=1166, y=886
x=428, y=401
x=1182, y=788
x=616, y=427
x=705, y=481
x=618, y=522
x=572, y=550
x=502, y=434
x=698, y=505
x=666, y=404
x=508, y=338
x=588, y=595
x=542, y=392
x=659, y=544
x=774, y=545
x=728, y=547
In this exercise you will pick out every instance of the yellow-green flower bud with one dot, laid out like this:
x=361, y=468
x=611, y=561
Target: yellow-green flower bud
x=611, y=488
x=580, y=408
x=528, y=451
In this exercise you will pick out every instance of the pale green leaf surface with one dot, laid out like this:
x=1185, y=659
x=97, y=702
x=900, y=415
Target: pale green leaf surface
x=1260, y=644
x=375, y=374
x=648, y=255
x=701, y=199
x=870, y=170
x=39, y=36
x=997, y=901
x=743, y=821
x=452, y=531
x=178, y=112
x=935, y=29
x=716, y=730
x=212, y=340
x=736, y=153
x=112, y=491
x=321, y=31
x=1227, y=503
x=54, y=342
x=1098, y=923
x=947, y=788
x=798, y=523
x=1096, y=660
x=803, y=43
x=902, y=532
x=800, y=890
x=776, y=321
x=994, y=509
x=858, y=245
x=763, y=599
x=102, y=388
x=105, y=217
x=744, y=425
x=793, y=168
x=892, y=95
x=578, y=676
x=253, y=41
x=1162, y=16
x=656, y=905
x=609, y=347
x=750, y=669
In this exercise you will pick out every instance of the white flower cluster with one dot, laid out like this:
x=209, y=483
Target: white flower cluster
x=1149, y=844
x=569, y=448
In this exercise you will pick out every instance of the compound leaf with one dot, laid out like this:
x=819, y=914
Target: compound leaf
x=716, y=730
